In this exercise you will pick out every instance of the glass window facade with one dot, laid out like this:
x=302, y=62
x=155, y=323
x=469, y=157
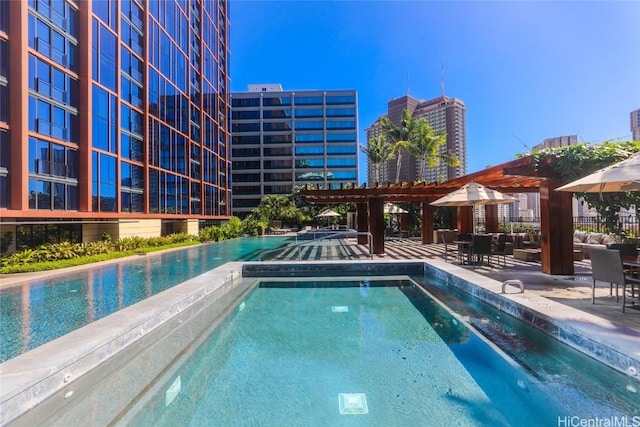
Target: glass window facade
x=314, y=139
x=154, y=133
x=103, y=182
x=276, y=114
x=275, y=101
x=5, y=154
x=308, y=100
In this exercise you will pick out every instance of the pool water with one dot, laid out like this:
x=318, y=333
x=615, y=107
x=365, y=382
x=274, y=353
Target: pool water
x=582, y=382
x=355, y=352
x=39, y=311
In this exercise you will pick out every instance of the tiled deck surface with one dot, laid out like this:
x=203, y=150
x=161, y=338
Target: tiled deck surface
x=572, y=290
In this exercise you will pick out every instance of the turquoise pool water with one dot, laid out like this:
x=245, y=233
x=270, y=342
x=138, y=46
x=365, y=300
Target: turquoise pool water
x=359, y=352
x=39, y=311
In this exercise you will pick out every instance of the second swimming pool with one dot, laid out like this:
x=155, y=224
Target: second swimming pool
x=352, y=352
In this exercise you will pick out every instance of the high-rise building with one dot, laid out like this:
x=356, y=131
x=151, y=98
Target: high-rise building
x=635, y=125
x=282, y=139
x=445, y=115
x=113, y=117
x=558, y=141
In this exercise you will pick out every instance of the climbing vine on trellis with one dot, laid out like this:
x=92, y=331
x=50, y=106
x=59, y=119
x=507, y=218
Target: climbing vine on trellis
x=576, y=161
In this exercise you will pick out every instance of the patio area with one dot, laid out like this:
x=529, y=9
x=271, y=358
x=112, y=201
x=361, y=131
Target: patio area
x=573, y=291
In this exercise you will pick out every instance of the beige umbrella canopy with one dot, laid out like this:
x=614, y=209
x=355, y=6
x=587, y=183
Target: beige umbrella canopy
x=623, y=176
x=390, y=208
x=473, y=194
x=328, y=213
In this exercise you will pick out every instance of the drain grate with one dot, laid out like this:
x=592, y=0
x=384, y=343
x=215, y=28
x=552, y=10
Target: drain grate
x=352, y=404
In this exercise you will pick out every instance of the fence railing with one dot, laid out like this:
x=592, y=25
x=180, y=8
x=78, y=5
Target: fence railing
x=629, y=223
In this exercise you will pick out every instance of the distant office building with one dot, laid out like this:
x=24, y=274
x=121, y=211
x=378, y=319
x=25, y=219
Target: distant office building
x=283, y=139
x=444, y=114
x=112, y=115
x=635, y=125
x=558, y=141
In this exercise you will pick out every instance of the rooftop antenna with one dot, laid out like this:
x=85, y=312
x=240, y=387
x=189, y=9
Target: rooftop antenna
x=521, y=142
x=408, y=85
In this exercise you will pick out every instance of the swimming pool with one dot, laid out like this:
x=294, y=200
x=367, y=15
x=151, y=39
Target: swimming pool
x=39, y=311
x=319, y=352
x=151, y=354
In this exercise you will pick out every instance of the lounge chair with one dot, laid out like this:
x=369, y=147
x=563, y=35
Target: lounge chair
x=276, y=230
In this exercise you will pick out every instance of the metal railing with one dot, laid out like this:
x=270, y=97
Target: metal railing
x=326, y=234
x=629, y=223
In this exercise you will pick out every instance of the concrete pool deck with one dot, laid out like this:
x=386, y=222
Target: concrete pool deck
x=571, y=290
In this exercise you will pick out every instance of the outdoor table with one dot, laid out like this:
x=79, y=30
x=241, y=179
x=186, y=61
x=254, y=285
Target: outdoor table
x=464, y=248
x=631, y=265
x=631, y=261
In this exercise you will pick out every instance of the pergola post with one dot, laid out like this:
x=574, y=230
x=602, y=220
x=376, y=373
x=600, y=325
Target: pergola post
x=465, y=219
x=362, y=222
x=426, y=227
x=376, y=223
x=556, y=226
x=491, y=218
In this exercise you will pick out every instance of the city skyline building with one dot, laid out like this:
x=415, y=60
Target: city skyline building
x=282, y=139
x=444, y=114
x=557, y=141
x=635, y=124
x=113, y=118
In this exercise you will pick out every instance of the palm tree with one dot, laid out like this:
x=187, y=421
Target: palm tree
x=424, y=144
x=398, y=136
x=378, y=152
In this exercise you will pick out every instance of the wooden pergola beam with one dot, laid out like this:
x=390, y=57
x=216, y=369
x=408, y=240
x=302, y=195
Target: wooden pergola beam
x=516, y=176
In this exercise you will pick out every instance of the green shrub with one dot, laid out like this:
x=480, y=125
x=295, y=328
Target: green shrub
x=130, y=243
x=63, y=250
x=25, y=257
x=94, y=248
x=211, y=234
x=251, y=226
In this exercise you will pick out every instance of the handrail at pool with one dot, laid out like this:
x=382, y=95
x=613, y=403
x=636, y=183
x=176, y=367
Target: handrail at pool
x=333, y=234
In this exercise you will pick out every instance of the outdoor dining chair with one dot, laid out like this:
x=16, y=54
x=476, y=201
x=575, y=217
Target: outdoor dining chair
x=464, y=241
x=606, y=266
x=448, y=238
x=480, y=247
x=500, y=248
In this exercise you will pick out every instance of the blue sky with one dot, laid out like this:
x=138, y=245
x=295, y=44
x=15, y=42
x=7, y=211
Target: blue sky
x=525, y=70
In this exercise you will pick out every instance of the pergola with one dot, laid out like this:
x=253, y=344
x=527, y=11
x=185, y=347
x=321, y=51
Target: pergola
x=516, y=176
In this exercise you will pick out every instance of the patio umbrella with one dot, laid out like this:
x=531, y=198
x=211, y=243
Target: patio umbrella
x=473, y=194
x=328, y=213
x=390, y=208
x=623, y=176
